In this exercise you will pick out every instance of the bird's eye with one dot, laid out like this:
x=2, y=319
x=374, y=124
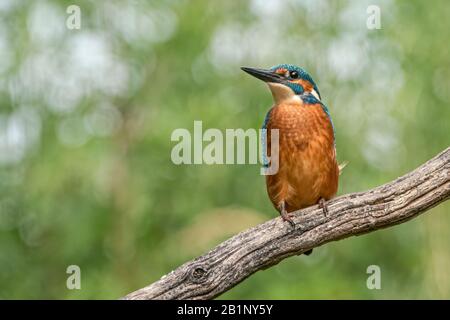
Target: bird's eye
x=293, y=74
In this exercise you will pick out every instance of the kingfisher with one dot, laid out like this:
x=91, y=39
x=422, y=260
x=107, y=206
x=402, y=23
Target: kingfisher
x=308, y=171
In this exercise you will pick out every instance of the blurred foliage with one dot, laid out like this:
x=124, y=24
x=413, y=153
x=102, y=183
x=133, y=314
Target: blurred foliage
x=86, y=118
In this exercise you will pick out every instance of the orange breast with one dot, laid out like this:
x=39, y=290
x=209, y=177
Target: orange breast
x=308, y=169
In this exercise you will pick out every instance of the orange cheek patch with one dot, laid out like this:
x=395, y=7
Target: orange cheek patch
x=281, y=71
x=305, y=84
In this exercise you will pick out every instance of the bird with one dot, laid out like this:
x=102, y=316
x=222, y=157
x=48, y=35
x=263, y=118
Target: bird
x=308, y=171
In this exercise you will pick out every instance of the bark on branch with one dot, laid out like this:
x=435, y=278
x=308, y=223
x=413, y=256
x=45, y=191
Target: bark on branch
x=268, y=243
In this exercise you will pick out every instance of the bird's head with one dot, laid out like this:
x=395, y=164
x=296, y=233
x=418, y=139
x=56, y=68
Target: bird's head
x=286, y=81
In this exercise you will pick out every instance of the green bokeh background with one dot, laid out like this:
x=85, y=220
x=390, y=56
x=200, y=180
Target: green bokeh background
x=86, y=118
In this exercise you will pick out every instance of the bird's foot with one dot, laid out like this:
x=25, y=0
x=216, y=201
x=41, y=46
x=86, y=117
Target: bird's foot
x=285, y=215
x=323, y=205
x=288, y=217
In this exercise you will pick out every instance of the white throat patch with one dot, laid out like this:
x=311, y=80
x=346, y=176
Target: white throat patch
x=315, y=94
x=280, y=92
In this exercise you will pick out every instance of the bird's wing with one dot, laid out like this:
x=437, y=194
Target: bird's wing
x=264, y=140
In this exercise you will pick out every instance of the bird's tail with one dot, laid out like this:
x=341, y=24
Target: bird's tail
x=342, y=166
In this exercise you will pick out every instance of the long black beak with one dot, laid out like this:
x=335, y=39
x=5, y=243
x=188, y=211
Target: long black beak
x=264, y=75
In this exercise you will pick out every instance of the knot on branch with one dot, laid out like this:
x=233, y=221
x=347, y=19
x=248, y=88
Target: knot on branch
x=198, y=274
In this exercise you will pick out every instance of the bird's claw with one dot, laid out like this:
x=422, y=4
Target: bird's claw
x=323, y=205
x=287, y=217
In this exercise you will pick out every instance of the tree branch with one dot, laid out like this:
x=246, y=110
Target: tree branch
x=268, y=243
